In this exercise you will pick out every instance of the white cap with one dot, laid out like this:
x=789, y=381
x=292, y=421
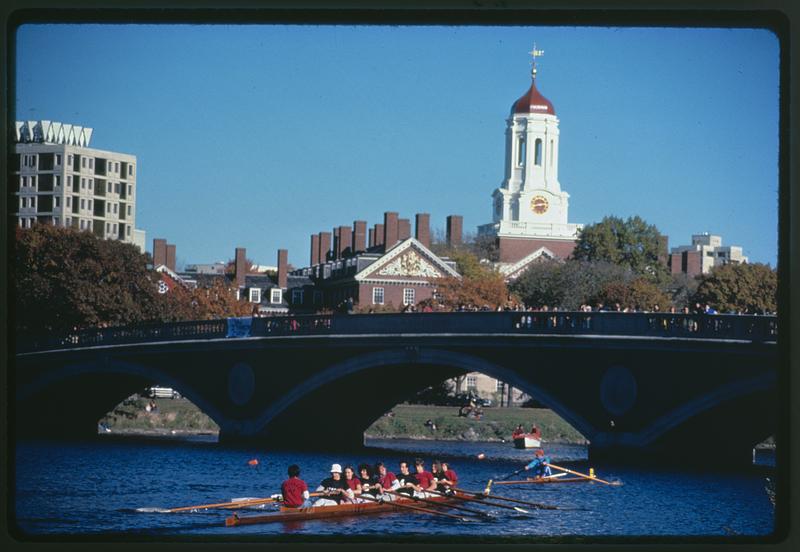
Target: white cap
x=336, y=468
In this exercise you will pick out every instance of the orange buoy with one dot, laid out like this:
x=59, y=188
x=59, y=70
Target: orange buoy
x=253, y=462
x=481, y=456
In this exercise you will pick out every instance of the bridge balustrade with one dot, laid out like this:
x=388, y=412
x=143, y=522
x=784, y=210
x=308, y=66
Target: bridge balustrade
x=702, y=326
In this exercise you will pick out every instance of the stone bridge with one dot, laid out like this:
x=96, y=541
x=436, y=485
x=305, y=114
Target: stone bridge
x=637, y=386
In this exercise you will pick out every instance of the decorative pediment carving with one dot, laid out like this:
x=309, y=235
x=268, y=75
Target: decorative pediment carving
x=409, y=264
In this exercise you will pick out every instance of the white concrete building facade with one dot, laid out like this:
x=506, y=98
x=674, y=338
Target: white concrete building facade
x=705, y=252
x=57, y=179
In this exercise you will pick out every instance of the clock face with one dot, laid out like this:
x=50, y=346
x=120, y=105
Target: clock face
x=539, y=205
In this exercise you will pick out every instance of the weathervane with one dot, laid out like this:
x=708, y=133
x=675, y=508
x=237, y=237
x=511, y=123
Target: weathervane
x=534, y=54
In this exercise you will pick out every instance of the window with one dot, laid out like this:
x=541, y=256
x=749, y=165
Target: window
x=33, y=181
x=255, y=295
x=83, y=183
x=116, y=187
x=70, y=160
x=91, y=183
x=276, y=295
x=108, y=187
x=116, y=167
x=88, y=224
x=56, y=201
x=57, y=180
x=33, y=202
x=67, y=221
x=108, y=228
x=130, y=169
x=377, y=296
x=82, y=224
x=472, y=382
x=115, y=208
x=89, y=204
x=83, y=162
x=69, y=201
x=83, y=203
x=537, y=152
x=408, y=296
x=129, y=210
x=130, y=189
x=58, y=159
x=521, y=151
x=91, y=162
x=498, y=386
x=127, y=231
x=297, y=296
x=69, y=180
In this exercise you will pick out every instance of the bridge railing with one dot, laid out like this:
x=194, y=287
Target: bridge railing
x=742, y=327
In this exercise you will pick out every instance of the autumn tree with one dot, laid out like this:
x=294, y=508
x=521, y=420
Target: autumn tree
x=479, y=284
x=63, y=278
x=747, y=288
x=631, y=243
x=639, y=294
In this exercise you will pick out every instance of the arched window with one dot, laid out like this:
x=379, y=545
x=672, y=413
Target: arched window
x=537, y=152
x=521, y=151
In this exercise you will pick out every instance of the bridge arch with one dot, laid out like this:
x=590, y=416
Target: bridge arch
x=413, y=356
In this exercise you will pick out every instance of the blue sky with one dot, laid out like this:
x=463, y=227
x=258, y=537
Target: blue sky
x=258, y=136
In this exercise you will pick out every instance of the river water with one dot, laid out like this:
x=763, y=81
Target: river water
x=94, y=490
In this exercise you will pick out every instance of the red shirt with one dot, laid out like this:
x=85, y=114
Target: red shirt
x=425, y=478
x=352, y=483
x=451, y=476
x=387, y=480
x=292, y=490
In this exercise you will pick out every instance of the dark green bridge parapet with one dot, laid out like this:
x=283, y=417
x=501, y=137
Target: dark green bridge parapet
x=726, y=327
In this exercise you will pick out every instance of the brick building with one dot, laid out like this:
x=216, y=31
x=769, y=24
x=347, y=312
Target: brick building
x=705, y=252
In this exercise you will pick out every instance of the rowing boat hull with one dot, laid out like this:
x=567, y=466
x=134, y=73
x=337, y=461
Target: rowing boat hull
x=323, y=512
x=526, y=441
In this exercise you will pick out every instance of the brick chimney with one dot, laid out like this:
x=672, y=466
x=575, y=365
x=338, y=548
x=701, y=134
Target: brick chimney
x=378, y=234
x=240, y=266
x=423, y=230
x=371, y=238
x=170, y=260
x=314, y=249
x=159, y=252
x=359, y=236
x=283, y=267
x=336, y=240
x=345, y=241
x=324, y=246
x=454, y=226
x=389, y=229
x=403, y=229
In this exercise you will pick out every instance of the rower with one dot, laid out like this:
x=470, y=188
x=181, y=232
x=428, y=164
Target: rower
x=445, y=477
x=425, y=478
x=540, y=465
x=294, y=490
x=332, y=487
x=386, y=480
x=369, y=482
x=353, y=483
x=408, y=481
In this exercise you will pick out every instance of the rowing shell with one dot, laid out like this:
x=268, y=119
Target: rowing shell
x=322, y=512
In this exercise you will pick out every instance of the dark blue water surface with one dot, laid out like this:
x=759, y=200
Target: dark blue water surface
x=95, y=488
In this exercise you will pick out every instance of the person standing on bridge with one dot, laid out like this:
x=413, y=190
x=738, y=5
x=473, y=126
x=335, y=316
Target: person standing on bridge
x=294, y=490
x=540, y=465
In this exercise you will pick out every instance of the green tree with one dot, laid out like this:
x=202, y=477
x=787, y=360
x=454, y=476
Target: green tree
x=750, y=288
x=630, y=243
x=567, y=284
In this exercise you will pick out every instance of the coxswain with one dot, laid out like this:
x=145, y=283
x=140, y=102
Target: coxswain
x=425, y=478
x=408, y=481
x=535, y=432
x=518, y=432
x=353, y=484
x=540, y=465
x=333, y=488
x=294, y=490
x=386, y=481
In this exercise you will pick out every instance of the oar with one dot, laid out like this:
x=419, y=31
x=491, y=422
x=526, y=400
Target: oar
x=418, y=508
x=512, y=474
x=529, y=480
x=579, y=474
x=485, y=493
x=482, y=501
x=437, y=503
x=230, y=504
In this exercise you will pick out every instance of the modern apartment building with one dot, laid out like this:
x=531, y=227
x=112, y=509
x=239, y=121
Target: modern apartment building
x=56, y=178
x=705, y=252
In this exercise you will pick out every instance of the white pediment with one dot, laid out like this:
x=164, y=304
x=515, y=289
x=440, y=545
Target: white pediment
x=408, y=259
x=512, y=271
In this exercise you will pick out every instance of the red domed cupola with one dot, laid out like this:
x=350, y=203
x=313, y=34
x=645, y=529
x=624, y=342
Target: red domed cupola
x=533, y=102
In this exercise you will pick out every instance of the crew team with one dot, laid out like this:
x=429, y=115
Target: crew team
x=371, y=483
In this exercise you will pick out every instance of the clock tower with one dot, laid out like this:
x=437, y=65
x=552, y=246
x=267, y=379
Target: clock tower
x=529, y=209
